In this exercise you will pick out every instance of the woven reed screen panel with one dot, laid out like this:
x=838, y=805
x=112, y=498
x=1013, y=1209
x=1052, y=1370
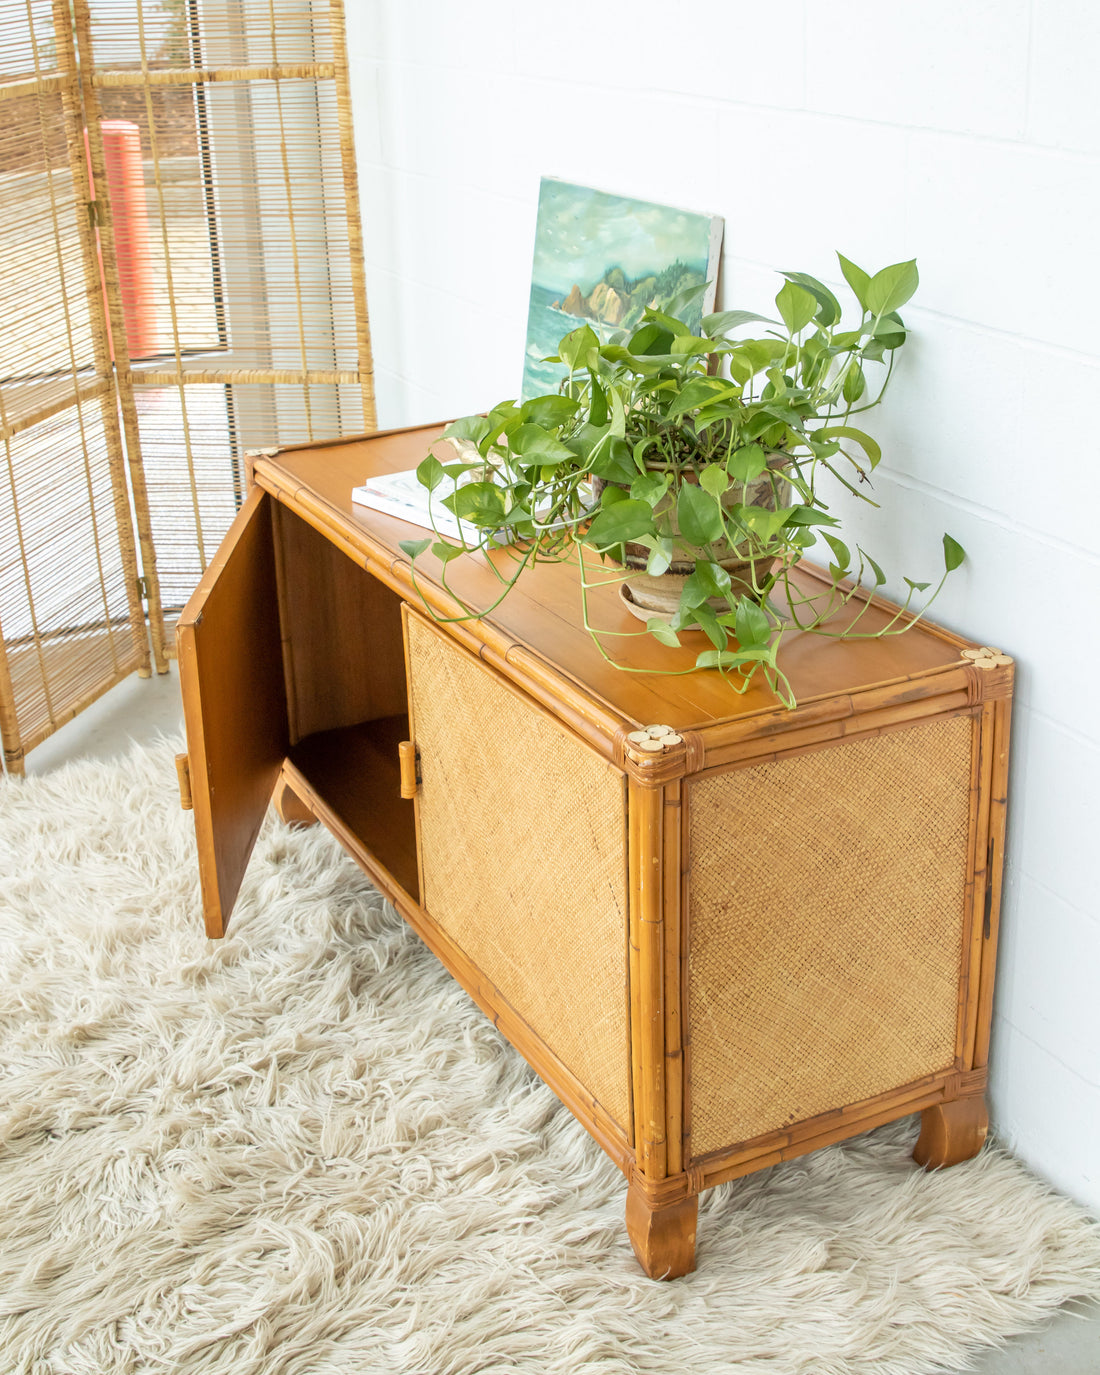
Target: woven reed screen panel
x=230, y=316
x=255, y=333
x=524, y=859
x=71, y=619
x=826, y=909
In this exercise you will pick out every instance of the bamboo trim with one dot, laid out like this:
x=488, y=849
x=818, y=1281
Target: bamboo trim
x=722, y=1172
x=628, y=987
x=967, y=971
x=671, y=863
x=853, y=728
x=647, y=1001
x=717, y=1167
x=33, y=85
x=685, y=968
x=81, y=24
x=587, y=1110
x=998, y=806
x=100, y=387
x=836, y=716
x=973, y=954
x=638, y=1099
x=352, y=211
x=191, y=76
x=191, y=377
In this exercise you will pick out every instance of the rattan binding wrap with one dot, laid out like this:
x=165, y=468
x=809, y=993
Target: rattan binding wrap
x=826, y=909
x=524, y=859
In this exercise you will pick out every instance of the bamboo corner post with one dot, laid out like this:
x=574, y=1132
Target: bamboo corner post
x=661, y=1208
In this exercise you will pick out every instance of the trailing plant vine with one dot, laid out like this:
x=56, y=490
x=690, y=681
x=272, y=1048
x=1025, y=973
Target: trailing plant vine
x=700, y=451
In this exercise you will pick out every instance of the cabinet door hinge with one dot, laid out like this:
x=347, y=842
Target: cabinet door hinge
x=143, y=588
x=95, y=215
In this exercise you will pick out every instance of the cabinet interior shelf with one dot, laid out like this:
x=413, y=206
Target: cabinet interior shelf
x=355, y=770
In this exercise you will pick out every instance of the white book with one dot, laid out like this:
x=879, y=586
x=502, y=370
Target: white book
x=401, y=495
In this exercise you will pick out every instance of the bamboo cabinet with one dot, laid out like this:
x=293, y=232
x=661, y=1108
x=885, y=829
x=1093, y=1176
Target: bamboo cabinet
x=723, y=932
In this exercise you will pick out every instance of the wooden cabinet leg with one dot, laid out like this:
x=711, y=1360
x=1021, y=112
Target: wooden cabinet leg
x=290, y=806
x=663, y=1237
x=951, y=1132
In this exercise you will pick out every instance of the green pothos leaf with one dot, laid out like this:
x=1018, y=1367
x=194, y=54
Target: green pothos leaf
x=430, y=473
x=880, y=576
x=751, y=624
x=953, y=553
x=661, y=630
x=864, y=440
x=446, y=552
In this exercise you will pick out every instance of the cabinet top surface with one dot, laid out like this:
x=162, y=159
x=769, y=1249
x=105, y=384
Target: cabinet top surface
x=543, y=611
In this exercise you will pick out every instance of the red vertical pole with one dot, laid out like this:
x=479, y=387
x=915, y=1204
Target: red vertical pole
x=130, y=218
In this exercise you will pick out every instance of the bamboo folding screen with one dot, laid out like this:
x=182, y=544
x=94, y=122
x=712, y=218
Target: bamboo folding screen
x=181, y=282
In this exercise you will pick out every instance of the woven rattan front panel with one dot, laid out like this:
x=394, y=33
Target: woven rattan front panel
x=826, y=905
x=524, y=858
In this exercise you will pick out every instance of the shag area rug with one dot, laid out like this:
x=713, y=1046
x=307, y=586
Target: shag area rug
x=303, y=1149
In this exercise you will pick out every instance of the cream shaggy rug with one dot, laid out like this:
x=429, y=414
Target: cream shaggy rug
x=303, y=1149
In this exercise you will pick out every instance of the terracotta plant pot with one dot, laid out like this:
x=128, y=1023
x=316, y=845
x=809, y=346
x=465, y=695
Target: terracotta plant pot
x=645, y=595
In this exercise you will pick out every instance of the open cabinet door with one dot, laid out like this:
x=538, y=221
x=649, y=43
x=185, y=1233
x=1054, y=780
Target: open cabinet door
x=234, y=700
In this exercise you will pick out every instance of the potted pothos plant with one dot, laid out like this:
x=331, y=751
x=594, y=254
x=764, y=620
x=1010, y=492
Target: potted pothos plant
x=694, y=467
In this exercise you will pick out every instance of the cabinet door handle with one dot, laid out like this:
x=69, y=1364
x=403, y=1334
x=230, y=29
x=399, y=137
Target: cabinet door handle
x=409, y=759
x=183, y=773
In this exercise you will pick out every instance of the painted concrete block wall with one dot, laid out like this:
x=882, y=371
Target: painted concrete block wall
x=966, y=136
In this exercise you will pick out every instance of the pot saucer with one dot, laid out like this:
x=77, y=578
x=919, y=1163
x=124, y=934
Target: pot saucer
x=644, y=614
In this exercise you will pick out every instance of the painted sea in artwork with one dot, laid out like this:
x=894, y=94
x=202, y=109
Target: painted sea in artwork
x=600, y=259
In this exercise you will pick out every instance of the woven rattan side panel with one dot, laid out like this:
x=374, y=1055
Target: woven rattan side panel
x=826, y=908
x=524, y=858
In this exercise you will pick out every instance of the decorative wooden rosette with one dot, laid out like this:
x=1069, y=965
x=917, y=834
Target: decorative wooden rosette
x=651, y=740
x=987, y=657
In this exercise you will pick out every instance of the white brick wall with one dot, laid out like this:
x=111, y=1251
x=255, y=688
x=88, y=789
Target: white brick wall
x=965, y=135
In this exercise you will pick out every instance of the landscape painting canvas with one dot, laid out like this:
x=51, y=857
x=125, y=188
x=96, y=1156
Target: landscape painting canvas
x=600, y=259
